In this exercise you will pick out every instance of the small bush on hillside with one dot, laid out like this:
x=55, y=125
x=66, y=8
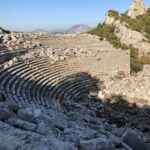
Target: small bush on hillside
x=135, y=64
x=106, y=31
x=113, y=13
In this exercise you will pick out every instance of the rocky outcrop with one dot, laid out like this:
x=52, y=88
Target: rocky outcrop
x=134, y=88
x=2, y=31
x=136, y=9
x=128, y=36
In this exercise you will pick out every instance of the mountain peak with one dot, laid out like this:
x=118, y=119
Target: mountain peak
x=137, y=8
x=79, y=28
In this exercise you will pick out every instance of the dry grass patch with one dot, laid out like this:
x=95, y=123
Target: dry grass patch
x=144, y=60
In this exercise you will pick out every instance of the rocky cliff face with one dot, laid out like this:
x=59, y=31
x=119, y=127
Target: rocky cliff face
x=136, y=9
x=127, y=35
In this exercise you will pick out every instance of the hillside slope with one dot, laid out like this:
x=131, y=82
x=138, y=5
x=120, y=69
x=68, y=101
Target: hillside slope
x=127, y=32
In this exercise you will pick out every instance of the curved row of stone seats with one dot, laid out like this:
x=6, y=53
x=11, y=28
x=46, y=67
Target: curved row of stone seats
x=31, y=87
x=60, y=96
x=10, y=74
x=12, y=70
x=66, y=83
x=32, y=74
x=35, y=92
x=66, y=89
x=65, y=86
x=57, y=79
x=86, y=88
x=39, y=82
x=14, y=82
x=15, y=87
x=29, y=77
x=7, y=75
x=60, y=88
x=19, y=72
x=50, y=84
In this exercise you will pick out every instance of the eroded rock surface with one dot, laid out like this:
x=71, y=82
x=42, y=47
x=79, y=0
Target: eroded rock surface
x=136, y=9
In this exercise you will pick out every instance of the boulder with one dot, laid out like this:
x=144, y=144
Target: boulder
x=13, y=38
x=132, y=140
x=2, y=97
x=4, y=114
x=9, y=142
x=96, y=144
x=101, y=95
x=24, y=125
x=6, y=37
x=10, y=63
x=148, y=146
x=29, y=114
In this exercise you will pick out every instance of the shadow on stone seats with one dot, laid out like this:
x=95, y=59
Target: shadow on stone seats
x=23, y=90
x=9, y=55
x=73, y=88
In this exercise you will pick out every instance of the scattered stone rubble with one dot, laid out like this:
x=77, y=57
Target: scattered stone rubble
x=86, y=126
x=15, y=41
x=135, y=88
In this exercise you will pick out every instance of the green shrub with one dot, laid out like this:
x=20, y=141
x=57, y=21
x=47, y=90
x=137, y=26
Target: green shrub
x=135, y=64
x=113, y=13
x=106, y=31
x=136, y=67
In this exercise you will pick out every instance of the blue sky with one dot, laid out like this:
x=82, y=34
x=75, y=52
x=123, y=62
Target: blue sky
x=27, y=15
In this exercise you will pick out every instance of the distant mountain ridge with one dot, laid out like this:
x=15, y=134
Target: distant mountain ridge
x=78, y=28
x=40, y=30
